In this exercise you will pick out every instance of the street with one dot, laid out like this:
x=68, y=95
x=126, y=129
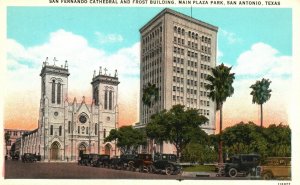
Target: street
x=44, y=170
x=20, y=170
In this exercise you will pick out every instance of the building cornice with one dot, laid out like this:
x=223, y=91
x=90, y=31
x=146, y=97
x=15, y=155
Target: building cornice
x=179, y=15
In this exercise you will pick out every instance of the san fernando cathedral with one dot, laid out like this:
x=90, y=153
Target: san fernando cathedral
x=68, y=128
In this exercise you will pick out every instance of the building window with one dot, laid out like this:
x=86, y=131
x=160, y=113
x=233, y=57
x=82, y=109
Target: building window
x=60, y=130
x=69, y=127
x=87, y=130
x=58, y=93
x=51, y=130
x=53, y=92
x=78, y=131
x=105, y=100
x=104, y=133
x=96, y=129
x=110, y=100
x=96, y=94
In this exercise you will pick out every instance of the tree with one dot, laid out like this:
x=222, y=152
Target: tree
x=7, y=138
x=150, y=96
x=128, y=138
x=178, y=126
x=220, y=88
x=261, y=94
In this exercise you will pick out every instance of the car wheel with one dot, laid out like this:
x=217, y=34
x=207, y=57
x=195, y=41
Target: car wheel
x=232, y=172
x=168, y=170
x=267, y=176
x=141, y=168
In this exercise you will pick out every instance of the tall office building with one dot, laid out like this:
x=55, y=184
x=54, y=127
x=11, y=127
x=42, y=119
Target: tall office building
x=177, y=53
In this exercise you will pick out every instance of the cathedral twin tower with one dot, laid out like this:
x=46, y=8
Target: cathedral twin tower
x=68, y=129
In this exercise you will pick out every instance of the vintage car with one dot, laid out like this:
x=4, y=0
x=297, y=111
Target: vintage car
x=86, y=159
x=166, y=163
x=124, y=161
x=242, y=164
x=142, y=162
x=28, y=158
x=101, y=160
x=276, y=168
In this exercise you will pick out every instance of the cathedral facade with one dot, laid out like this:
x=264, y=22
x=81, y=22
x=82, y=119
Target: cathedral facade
x=67, y=129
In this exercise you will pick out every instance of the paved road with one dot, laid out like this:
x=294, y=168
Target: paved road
x=19, y=170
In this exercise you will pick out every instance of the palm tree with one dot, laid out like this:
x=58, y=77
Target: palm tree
x=220, y=87
x=7, y=138
x=150, y=96
x=261, y=94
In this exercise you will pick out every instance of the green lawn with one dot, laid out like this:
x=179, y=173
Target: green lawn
x=199, y=168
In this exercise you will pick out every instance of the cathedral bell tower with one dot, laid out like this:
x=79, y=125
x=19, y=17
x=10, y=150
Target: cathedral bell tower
x=54, y=91
x=105, y=97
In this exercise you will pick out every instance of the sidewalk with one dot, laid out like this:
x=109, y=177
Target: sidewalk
x=199, y=174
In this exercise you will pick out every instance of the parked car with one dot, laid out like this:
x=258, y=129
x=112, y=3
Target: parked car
x=276, y=168
x=28, y=158
x=242, y=164
x=115, y=163
x=124, y=161
x=142, y=162
x=86, y=159
x=101, y=161
x=166, y=163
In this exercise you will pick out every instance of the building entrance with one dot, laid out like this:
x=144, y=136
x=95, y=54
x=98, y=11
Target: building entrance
x=54, y=151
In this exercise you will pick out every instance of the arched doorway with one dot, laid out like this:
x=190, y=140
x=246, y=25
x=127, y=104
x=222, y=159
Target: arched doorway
x=107, y=149
x=81, y=149
x=54, y=151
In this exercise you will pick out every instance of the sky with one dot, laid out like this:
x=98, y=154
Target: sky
x=256, y=42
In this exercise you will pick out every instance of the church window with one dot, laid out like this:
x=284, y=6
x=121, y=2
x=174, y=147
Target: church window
x=104, y=133
x=69, y=127
x=58, y=93
x=110, y=100
x=87, y=130
x=51, y=130
x=78, y=131
x=53, y=92
x=105, y=100
x=60, y=130
x=96, y=129
x=96, y=94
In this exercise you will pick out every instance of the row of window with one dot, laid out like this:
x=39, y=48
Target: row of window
x=192, y=73
x=149, y=47
x=191, y=34
x=192, y=54
x=188, y=90
x=179, y=50
x=204, y=112
x=205, y=49
x=155, y=32
x=204, y=102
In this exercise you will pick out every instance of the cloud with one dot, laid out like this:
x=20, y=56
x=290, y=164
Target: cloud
x=260, y=61
x=263, y=60
x=231, y=37
x=108, y=38
x=24, y=66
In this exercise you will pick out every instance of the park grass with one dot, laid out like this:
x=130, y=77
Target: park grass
x=200, y=168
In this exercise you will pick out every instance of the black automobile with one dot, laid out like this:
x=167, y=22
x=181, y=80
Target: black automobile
x=242, y=164
x=142, y=162
x=28, y=158
x=101, y=161
x=86, y=159
x=115, y=163
x=166, y=163
x=124, y=161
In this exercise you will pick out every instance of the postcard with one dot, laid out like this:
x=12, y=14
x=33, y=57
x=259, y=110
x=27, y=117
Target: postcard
x=177, y=91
